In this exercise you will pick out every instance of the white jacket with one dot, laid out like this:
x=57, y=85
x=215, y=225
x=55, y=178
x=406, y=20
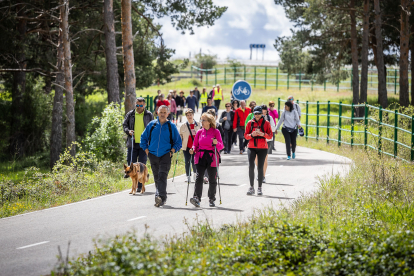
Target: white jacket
x=185, y=134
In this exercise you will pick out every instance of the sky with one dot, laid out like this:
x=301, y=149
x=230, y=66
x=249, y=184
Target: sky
x=245, y=22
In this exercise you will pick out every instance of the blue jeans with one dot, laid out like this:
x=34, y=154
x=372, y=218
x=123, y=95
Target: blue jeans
x=138, y=153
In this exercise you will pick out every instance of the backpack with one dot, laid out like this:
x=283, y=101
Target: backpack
x=169, y=128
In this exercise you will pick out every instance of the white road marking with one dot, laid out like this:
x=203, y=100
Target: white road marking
x=242, y=185
x=30, y=245
x=137, y=218
x=281, y=165
x=267, y=174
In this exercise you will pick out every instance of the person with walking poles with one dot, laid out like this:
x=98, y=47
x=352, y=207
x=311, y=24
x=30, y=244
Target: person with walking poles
x=226, y=120
x=203, y=98
x=134, y=124
x=273, y=113
x=209, y=106
x=191, y=101
x=188, y=131
x=206, y=147
x=218, y=96
x=290, y=120
x=257, y=131
x=161, y=140
x=240, y=116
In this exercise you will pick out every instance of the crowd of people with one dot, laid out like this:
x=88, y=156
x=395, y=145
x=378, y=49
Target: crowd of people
x=252, y=128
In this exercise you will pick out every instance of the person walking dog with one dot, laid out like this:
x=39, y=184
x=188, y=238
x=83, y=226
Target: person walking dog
x=257, y=131
x=290, y=120
x=188, y=131
x=161, y=140
x=134, y=124
x=206, y=147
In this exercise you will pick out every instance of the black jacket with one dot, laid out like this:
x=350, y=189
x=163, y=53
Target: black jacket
x=129, y=123
x=223, y=114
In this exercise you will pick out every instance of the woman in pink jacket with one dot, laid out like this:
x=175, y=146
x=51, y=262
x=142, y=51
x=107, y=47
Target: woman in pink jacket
x=173, y=107
x=205, y=158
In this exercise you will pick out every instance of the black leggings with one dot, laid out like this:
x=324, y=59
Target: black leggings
x=261, y=157
x=290, y=138
x=212, y=181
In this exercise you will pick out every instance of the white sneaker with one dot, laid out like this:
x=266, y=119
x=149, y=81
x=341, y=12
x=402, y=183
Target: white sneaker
x=193, y=178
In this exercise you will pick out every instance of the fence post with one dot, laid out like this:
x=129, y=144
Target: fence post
x=288, y=81
x=265, y=77
x=380, y=130
x=255, y=76
x=339, y=123
x=395, y=132
x=206, y=76
x=352, y=125
x=277, y=78
x=328, y=119
x=278, y=106
x=337, y=86
x=300, y=80
x=191, y=71
x=311, y=85
x=244, y=72
x=395, y=81
x=307, y=116
x=324, y=85
x=366, y=126
x=234, y=68
x=317, y=120
x=225, y=73
x=412, y=138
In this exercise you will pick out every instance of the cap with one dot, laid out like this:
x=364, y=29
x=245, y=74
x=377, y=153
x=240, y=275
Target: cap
x=171, y=91
x=257, y=110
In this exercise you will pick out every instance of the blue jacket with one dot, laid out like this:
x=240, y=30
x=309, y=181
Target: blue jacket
x=160, y=138
x=191, y=102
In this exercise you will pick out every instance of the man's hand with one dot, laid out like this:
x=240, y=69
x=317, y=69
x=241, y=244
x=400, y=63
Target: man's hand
x=276, y=132
x=191, y=151
x=131, y=132
x=225, y=119
x=234, y=129
x=214, y=141
x=172, y=151
x=147, y=151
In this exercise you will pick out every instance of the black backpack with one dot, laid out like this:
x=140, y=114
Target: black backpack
x=169, y=128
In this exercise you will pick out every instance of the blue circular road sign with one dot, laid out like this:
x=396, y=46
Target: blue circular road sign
x=241, y=90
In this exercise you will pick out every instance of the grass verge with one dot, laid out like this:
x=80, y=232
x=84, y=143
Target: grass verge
x=360, y=224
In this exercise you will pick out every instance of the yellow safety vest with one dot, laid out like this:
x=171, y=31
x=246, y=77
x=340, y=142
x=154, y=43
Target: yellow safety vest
x=218, y=94
x=203, y=98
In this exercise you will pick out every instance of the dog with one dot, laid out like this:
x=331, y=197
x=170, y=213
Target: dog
x=138, y=173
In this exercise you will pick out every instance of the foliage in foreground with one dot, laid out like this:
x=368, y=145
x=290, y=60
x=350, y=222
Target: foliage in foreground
x=360, y=224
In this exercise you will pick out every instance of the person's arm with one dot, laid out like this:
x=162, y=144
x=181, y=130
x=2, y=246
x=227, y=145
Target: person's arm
x=125, y=124
x=196, y=141
x=220, y=144
x=235, y=120
x=268, y=131
x=272, y=125
x=221, y=117
x=281, y=119
x=249, y=117
x=297, y=120
x=176, y=138
x=247, y=134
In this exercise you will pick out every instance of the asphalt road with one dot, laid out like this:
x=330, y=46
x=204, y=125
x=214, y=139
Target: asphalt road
x=29, y=242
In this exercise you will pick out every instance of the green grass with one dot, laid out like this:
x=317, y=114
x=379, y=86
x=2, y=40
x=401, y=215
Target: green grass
x=358, y=224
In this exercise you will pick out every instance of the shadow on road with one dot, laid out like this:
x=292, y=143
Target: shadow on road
x=179, y=208
x=278, y=184
x=277, y=197
x=228, y=209
x=237, y=161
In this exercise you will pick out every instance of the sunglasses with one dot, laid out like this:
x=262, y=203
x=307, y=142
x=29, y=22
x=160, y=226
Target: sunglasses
x=272, y=105
x=228, y=106
x=139, y=105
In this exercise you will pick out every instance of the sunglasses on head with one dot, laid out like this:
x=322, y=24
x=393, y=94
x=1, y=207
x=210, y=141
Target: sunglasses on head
x=139, y=105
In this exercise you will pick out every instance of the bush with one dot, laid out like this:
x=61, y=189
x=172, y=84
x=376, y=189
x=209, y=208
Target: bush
x=106, y=140
x=205, y=61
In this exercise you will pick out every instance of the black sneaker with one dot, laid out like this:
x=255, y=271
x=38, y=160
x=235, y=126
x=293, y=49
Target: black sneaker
x=158, y=201
x=126, y=176
x=250, y=191
x=259, y=191
x=211, y=203
x=195, y=201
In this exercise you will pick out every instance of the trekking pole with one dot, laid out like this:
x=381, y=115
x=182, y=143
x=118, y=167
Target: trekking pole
x=218, y=176
x=132, y=149
x=176, y=161
x=188, y=181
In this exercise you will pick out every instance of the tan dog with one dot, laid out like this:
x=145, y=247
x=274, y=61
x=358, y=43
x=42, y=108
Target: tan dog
x=138, y=173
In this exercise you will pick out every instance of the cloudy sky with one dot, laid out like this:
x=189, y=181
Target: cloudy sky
x=245, y=22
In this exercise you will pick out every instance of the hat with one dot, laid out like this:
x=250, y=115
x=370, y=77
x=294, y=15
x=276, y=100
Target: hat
x=170, y=91
x=217, y=84
x=257, y=110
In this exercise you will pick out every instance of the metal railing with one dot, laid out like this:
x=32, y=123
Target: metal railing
x=273, y=77
x=386, y=131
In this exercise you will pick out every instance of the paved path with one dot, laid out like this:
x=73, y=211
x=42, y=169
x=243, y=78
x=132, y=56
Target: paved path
x=29, y=242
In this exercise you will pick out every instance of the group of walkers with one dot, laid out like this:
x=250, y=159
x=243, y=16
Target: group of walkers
x=202, y=142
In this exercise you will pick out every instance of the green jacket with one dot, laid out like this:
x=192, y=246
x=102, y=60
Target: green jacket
x=249, y=117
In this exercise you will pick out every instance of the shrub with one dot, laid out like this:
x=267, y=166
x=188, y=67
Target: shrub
x=106, y=140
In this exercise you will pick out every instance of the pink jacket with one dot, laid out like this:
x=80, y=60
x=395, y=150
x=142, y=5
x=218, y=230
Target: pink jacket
x=173, y=106
x=273, y=113
x=204, y=141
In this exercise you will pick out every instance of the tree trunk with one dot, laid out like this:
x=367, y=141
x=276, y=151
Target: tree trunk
x=364, y=53
x=56, y=134
x=404, y=48
x=382, y=88
x=17, y=139
x=354, y=50
x=412, y=64
x=127, y=49
x=70, y=107
x=112, y=84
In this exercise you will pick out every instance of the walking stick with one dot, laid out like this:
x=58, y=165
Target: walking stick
x=188, y=180
x=132, y=149
x=176, y=161
x=218, y=176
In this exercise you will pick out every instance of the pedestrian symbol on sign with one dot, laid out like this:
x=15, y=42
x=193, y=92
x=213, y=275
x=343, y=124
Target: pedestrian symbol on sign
x=241, y=90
